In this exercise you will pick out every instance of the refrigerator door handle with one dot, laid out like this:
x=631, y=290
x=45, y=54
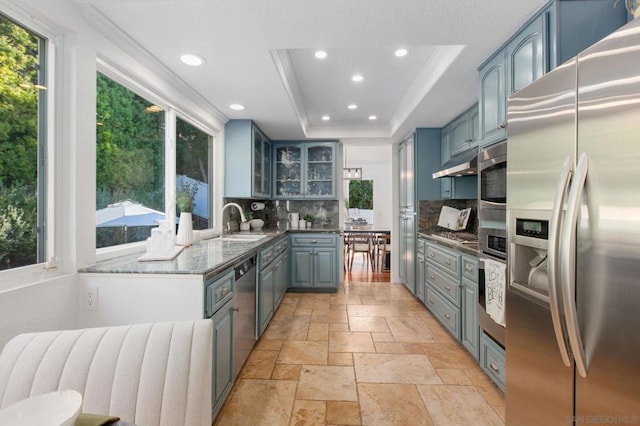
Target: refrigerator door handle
x=568, y=265
x=555, y=225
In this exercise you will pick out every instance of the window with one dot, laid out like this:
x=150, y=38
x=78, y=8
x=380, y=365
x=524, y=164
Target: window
x=360, y=201
x=193, y=150
x=23, y=145
x=130, y=164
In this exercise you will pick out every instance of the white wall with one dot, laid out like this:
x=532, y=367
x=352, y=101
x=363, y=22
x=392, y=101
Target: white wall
x=376, y=163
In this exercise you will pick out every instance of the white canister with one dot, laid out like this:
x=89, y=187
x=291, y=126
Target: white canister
x=302, y=224
x=294, y=219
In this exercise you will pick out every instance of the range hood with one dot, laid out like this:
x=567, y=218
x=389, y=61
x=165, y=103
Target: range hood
x=463, y=164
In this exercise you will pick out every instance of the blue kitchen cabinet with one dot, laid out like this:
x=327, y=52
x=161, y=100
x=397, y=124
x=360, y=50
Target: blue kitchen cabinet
x=222, y=355
x=459, y=188
x=280, y=278
x=442, y=277
x=464, y=131
x=420, y=271
x=526, y=60
x=314, y=260
x=554, y=34
x=493, y=100
x=492, y=357
x=305, y=170
x=470, y=329
x=265, y=296
x=470, y=336
x=246, y=176
x=445, y=150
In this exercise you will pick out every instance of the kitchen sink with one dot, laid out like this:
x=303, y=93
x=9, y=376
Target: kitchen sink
x=245, y=238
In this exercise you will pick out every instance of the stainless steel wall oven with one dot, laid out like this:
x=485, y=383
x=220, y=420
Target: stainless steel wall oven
x=492, y=229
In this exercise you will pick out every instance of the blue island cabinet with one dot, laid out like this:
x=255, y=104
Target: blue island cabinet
x=314, y=261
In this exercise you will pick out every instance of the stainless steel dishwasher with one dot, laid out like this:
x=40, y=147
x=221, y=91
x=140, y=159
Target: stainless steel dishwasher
x=244, y=315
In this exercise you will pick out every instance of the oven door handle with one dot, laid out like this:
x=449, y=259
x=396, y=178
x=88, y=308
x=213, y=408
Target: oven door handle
x=555, y=227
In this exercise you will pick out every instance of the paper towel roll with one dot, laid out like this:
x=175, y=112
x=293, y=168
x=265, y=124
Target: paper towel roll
x=257, y=206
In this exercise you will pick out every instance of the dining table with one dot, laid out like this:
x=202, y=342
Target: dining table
x=380, y=243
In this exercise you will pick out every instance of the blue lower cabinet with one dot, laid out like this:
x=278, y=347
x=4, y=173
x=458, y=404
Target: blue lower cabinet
x=421, y=278
x=492, y=360
x=265, y=297
x=445, y=311
x=222, y=355
x=314, y=261
x=470, y=336
x=280, y=278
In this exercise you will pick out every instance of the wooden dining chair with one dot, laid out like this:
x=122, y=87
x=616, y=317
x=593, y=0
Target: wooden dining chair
x=383, y=243
x=362, y=243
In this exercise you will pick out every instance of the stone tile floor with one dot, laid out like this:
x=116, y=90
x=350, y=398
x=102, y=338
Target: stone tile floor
x=370, y=354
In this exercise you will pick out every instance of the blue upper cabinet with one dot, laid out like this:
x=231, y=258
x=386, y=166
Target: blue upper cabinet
x=493, y=100
x=526, y=60
x=304, y=170
x=463, y=132
x=557, y=32
x=246, y=176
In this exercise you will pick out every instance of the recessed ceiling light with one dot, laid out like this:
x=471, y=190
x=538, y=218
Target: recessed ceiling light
x=321, y=54
x=357, y=78
x=193, y=60
x=352, y=106
x=326, y=118
x=401, y=52
x=373, y=117
x=237, y=107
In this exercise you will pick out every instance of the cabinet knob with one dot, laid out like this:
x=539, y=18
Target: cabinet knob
x=494, y=367
x=431, y=301
x=431, y=255
x=314, y=241
x=447, y=316
x=431, y=277
x=468, y=267
x=446, y=287
x=502, y=125
x=447, y=262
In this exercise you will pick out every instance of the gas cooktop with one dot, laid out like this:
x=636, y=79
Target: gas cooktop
x=456, y=237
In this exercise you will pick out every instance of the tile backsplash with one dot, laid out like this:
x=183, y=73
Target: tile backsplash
x=429, y=212
x=326, y=213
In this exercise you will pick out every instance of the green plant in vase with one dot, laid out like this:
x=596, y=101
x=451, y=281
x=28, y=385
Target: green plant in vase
x=308, y=219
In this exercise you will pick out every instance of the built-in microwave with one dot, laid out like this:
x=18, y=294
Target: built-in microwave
x=492, y=183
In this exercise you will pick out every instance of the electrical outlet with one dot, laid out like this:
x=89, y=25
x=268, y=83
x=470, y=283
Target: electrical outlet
x=90, y=298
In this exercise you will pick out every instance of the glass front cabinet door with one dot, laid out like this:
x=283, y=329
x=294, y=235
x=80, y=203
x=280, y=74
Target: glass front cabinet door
x=305, y=170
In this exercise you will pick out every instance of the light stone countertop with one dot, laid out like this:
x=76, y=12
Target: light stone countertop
x=470, y=249
x=203, y=258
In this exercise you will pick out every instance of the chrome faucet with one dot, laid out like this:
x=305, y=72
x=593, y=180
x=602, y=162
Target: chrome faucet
x=242, y=216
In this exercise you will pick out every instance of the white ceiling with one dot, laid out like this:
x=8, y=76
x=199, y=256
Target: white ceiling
x=260, y=53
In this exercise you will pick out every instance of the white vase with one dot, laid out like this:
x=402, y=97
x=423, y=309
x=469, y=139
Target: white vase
x=256, y=224
x=244, y=226
x=185, y=230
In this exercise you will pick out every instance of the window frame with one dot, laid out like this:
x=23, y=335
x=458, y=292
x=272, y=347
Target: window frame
x=171, y=114
x=51, y=113
x=210, y=162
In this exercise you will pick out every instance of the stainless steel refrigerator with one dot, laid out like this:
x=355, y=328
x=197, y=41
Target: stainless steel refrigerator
x=573, y=212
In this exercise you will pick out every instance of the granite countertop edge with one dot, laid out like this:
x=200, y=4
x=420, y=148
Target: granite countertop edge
x=472, y=250
x=206, y=257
